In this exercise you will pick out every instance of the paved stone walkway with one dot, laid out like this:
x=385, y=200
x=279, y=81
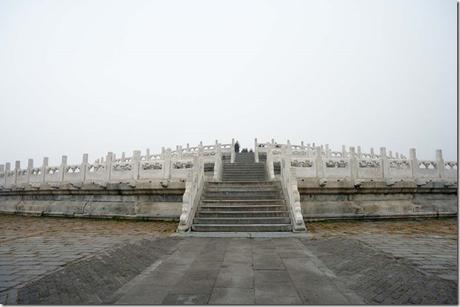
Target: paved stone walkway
x=67, y=261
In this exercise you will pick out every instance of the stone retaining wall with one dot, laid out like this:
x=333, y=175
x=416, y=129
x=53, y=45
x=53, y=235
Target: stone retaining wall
x=341, y=200
x=114, y=201
x=336, y=200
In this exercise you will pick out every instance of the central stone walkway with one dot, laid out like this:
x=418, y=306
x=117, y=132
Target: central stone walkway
x=238, y=271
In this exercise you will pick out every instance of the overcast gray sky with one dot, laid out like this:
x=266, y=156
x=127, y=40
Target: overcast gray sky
x=95, y=76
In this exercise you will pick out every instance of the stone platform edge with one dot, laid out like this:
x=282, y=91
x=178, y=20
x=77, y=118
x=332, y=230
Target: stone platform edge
x=163, y=200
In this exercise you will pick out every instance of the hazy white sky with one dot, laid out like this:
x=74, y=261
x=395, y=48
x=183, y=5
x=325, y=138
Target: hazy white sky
x=95, y=76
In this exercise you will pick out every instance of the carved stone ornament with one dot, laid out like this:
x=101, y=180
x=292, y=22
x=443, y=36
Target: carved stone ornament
x=369, y=163
x=451, y=164
x=95, y=168
x=151, y=166
x=181, y=165
x=52, y=170
x=427, y=164
x=400, y=164
x=305, y=163
x=36, y=171
x=122, y=167
x=22, y=172
x=338, y=164
x=72, y=169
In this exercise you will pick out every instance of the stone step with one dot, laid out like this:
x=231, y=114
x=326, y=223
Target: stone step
x=241, y=214
x=241, y=228
x=243, y=201
x=230, y=184
x=243, y=208
x=246, y=220
x=241, y=194
x=241, y=188
x=243, y=178
x=252, y=170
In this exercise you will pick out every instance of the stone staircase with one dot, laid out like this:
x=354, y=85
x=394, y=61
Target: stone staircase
x=244, y=169
x=243, y=202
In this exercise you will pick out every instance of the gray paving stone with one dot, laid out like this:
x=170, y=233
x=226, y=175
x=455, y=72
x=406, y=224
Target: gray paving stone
x=227, y=279
x=271, y=276
x=179, y=299
x=232, y=296
x=144, y=294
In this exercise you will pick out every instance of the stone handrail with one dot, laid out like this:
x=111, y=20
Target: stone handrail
x=190, y=200
x=289, y=185
x=163, y=167
x=358, y=167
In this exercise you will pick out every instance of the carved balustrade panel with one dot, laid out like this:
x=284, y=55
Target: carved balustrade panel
x=399, y=168
x=336, y=167
x=369, y=168
x=450, y=169
x=72, y=173
x=36, y=175
x=96, y=172
x=151, y=169
x=427, y=169
x=303, y=167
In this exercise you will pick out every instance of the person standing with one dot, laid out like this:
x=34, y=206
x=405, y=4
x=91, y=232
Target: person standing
x=237, y=147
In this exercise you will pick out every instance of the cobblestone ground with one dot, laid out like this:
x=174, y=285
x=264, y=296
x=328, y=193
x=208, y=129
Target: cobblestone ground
x=81, y=261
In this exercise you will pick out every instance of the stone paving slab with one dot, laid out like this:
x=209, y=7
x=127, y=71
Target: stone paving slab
x=103, y=262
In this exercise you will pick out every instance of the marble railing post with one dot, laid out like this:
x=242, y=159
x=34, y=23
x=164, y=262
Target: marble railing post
x=123, y=156
x=163, y=151
x=372, y=153
x=232, y=152
x=218, y=163
x=440, y=163
x=147, y=154
x=288, y=151
x=344, y=152
x=62, y=168
x=359, y=154
x=136, y=161
x=108, y=166
x=353, y=158
x=413, y=162
x=179, y=152
x=256, y=151
x=319, y=163
x=390, y=154
x=30, y=166
x=44, y=169
x=167, y=164
x=7, y=170
x=269, y=162
x=17, y=167
x=384, y=159
x=327, y=152
x=2, y=170
x=84, y=167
